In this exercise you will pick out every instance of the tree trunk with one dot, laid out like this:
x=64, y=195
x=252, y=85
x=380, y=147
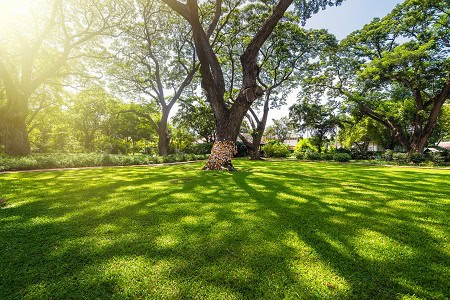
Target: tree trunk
x=163, y=143
x=255, y=153
x=252, y=146
x=163, y=134
x=224, y=148
x=15, y=136
x=13, y=127
x=260, y=127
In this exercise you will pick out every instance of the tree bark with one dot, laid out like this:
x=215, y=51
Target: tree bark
x=224, y=147
x=15, y=135
x=255, y=153
x=13, y=127
x=163, y=135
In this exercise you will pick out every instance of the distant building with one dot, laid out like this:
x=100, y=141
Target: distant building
x=374, y=147
x=444, y=144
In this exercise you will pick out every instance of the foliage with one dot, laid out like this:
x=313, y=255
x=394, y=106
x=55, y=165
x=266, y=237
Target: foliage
x=311, y=155
x=202, y=148
x=417, y=158
x=280, y=129
x=318, y=119
x=299, y=155
x=394, y=70
x=57, y=160
x=401, y=158
x=275, y=149
x=304, y=145
x=326, y=156
x=197, y=117
x=52, y=45
x=442, y=130
x=388, y=155
x=181, y=138
x=437, y=158
x=356, y=133
x=341, y=157
x=242, y=150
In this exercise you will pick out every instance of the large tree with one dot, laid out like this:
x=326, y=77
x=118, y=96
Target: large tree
x=33, y=57
x=154, y=62
x=396, y=70
x=229, y=116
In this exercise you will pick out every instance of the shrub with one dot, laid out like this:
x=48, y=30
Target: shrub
x=446, y=154
x=343, y=150
x=300, y=155
x=437, y=158
x=50, y=161
x=326, y=156
x=388, y=155
x=360, y=155
x=401, y=158
x=342, y=157
x=417, y=158
x=204, y=148
x=106, y=160
x=242, y=150
x=304, y=145
x=311, y=155
x=276, y=149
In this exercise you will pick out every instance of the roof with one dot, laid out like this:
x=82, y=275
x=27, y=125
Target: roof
x=444, y=144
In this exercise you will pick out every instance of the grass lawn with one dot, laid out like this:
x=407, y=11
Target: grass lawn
x=273, y=230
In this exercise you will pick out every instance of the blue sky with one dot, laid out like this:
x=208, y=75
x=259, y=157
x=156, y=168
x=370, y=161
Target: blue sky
x=341, y=21
x=350, y=16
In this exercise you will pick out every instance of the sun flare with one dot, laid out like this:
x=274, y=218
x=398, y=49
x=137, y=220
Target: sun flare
x=12, y=11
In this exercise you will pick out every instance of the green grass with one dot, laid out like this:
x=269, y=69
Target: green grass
x=273, y=230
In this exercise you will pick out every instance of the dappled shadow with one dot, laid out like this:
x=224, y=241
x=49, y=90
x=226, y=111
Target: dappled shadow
x=273, y=230
x=345, y=234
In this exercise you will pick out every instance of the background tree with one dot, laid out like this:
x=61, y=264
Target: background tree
x=90, y=111
x=155, y=61
x=396, y=70
x=320, y=120
x=34, y=53
x=281, y=129
x=442, y=130
x=357, y=132
x=229, y=116
x=196, y=116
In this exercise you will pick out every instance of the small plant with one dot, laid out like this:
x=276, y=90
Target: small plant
x=400, y=158
x=388, y=155
x=342, y=157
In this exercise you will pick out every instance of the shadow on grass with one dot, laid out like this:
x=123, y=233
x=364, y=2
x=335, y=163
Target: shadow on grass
x=273, y=230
